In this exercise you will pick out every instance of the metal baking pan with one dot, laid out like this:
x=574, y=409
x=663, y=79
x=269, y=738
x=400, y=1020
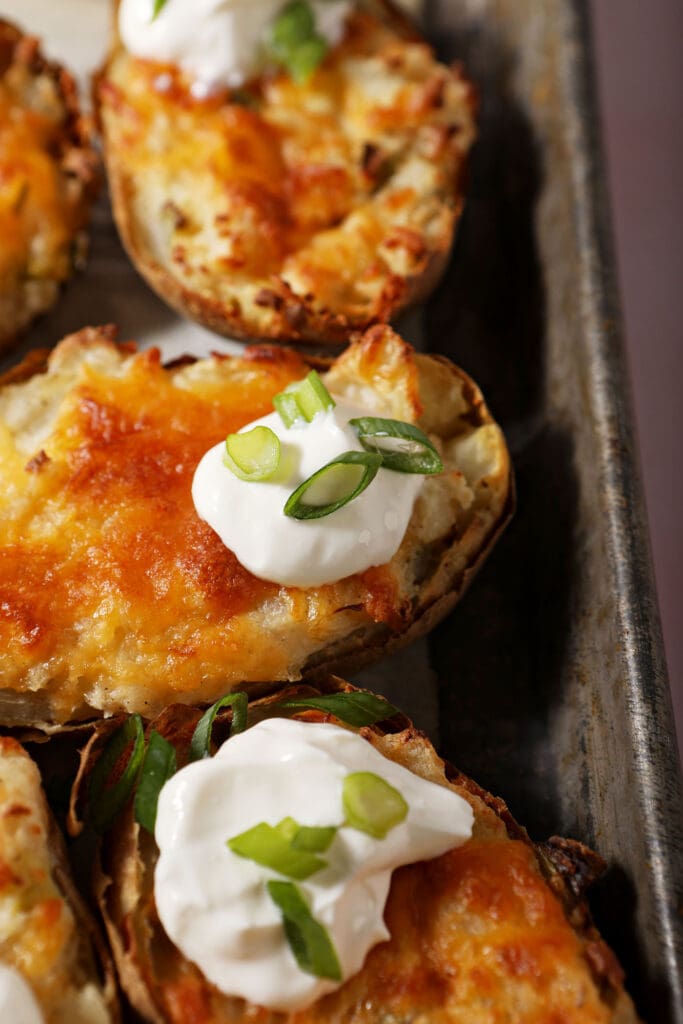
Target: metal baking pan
x=548, y=683
x=550, y=676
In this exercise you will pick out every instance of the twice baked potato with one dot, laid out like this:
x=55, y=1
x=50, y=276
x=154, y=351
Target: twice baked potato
x=45, y=931
x=496, y=929
x=292, y=210
x=115, y=595
x=49, y=175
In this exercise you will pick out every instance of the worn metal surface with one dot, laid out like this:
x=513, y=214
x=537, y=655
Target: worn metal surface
x=551, y=677
x=547, y=684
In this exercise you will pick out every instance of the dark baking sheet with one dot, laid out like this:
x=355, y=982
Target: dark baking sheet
x=547, y=684
x=550, y=676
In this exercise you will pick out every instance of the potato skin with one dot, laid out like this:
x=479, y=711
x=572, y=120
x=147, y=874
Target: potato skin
x=49, y=177
x=495, y=930
x=119, y=598
x=45, y=930
x=316, y=209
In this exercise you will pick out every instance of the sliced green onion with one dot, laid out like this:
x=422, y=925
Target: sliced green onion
x=253, y=455
x=270, y=846
x=333, y=486
x=293, y=26
x=303, y=400
x=403, y=446
x=200, y=745
x=305, y=58
x=158, y=8
x=310, y=838
x=294, y=41
x=105, y=801
x=307, y=938
x=355, y=708
x=286, y=404
x=371, y=805
x=157, y=768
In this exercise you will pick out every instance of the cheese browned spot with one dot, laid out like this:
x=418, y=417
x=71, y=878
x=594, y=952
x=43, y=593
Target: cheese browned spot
x=48, y=174
x=314, y=208
x=39, y=933
x=114, y=595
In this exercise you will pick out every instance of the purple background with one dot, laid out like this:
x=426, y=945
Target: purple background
x=639, y=51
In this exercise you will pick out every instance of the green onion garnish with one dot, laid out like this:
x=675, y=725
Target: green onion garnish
x=273, y=847
x=105, y=801
x=294, y=41
x=311, y=838
x=303, y=400
x=253, y=455
x=158, y=8
x=308, y=939
x=355, y=709
x=157, y=768
x=403, y=446
x=333, y=486
x=371, y=804
x=200, y=746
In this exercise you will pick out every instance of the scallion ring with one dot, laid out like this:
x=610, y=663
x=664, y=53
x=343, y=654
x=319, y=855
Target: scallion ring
x=307, y=938
x=303, y=400
x=371, y=804
x=333, y=486
x=105, y=801
x=403, y=446
x=287, y=847
x=294, y=42
x=200, y=746
x=253, y=455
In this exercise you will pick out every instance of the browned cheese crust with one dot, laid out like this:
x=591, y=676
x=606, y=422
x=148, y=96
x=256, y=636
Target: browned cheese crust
x=292, y=211
x=115, y=596
x=45, y=931
x=491, y=932
x=48, y=179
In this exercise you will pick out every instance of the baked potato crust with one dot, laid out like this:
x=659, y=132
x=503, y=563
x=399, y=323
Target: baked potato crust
x=49, y=176
x=115, y=596
x=496, y=930
x=316, y=208
x=45, y=930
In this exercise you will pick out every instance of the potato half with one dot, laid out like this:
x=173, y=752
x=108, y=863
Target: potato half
x=495, y=930
x=45, y=931
x=116, y=596
x=49, y=175
x=285, y=210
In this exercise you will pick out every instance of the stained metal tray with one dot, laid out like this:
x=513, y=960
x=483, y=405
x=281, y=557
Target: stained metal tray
x=548, y=683
x=550, y=676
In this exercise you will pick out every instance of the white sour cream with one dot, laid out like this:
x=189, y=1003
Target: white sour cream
x=217, y=42
x=214, y=904
x=249, y=517
x=17, y=1001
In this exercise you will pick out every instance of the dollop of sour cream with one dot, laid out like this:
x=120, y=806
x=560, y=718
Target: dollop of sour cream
x=17, y=1001
x=217, y=42
x=249, y=517
x=214, y=904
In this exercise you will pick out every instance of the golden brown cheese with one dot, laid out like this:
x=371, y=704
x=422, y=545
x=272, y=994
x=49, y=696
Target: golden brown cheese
x=485, y=934
x=115, y=595
x=47, y=180
x=292, y=210
x=39, y=933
